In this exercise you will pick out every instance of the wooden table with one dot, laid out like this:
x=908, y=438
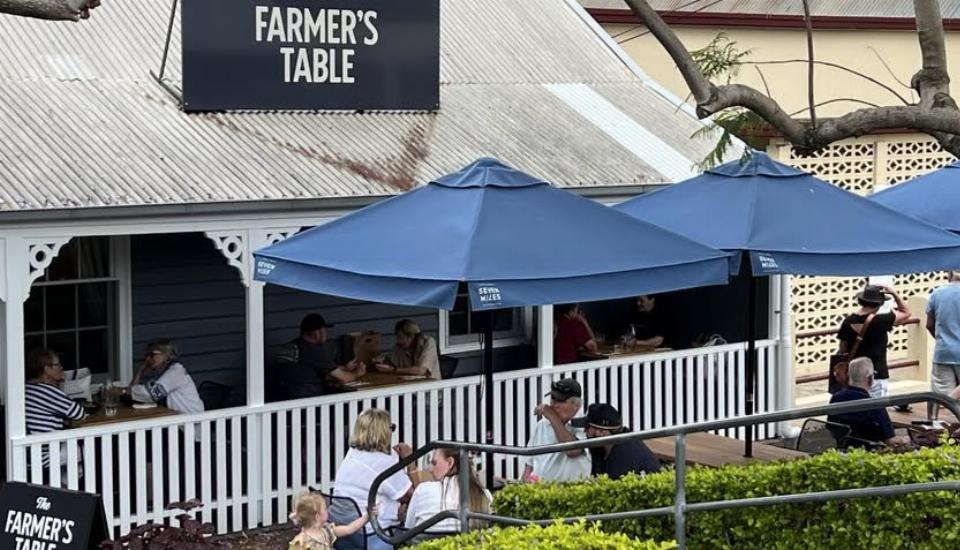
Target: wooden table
x=376, y=379
x=918, y=413
x=125, y=413
x=706, y=449
x=606, y=351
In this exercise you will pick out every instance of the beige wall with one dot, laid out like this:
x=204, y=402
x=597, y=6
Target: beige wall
x=788, y=82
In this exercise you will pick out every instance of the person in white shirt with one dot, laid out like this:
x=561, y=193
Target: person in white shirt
x=433, y=497
x=162, y=379
x=565, y=402
x=369, y=455
x=414, y=354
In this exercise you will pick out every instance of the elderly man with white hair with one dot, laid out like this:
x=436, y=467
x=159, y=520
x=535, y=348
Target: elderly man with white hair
x=566, y=398
x=870, y=425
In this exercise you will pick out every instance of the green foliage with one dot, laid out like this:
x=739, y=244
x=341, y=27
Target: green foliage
x=578, y=536
x=921, y=520
x=720, y=57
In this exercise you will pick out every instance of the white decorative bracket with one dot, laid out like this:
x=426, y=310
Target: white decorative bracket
x=238, y=246
x=40, y=254
x=233, y=246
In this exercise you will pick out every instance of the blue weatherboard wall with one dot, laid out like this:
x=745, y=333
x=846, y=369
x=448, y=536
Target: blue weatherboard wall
x=184, y=289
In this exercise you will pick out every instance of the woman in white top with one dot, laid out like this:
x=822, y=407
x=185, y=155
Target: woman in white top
x=415, y=353
x=369, y=455
x=442, y=494
x=164, y=380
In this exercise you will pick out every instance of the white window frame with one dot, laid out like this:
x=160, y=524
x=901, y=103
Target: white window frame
x=121, y=333
x=520, y=334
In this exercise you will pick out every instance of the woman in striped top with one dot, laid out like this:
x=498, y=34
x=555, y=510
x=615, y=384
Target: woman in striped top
x=46, y=404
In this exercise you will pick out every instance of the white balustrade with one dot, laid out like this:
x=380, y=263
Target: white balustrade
x=245, y=464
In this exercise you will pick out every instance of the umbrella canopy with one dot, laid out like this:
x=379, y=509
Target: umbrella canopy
x=793, y=223
x=513, y=238
x=933, y=198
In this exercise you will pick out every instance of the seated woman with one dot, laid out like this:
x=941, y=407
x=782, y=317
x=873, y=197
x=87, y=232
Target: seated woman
x=162, y=379
x=46, y=404
x=415, y=353
x=369, y=455
x=443, y=494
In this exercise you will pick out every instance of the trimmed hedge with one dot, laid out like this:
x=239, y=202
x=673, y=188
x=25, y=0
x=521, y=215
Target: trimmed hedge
x=578, y=536
x=923, y=520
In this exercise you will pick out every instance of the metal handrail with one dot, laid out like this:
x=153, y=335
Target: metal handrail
x=680, y=506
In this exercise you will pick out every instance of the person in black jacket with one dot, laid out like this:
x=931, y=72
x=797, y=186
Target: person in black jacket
x=615, y=460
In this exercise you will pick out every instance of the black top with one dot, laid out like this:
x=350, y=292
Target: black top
x=307, y=376
x=874, y=344
x=647, y=324
x=623, y=458
x=872, y=425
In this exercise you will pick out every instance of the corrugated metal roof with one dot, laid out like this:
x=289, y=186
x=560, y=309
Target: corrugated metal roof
x=85, y=126
x=822, y=8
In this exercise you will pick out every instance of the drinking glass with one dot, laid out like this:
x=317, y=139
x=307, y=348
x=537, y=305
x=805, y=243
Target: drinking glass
x=110, y=399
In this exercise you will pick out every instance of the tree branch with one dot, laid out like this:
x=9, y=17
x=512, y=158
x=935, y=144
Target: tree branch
x=700, y=87
x=57, y=10
x=810, y=100
x=835, y=66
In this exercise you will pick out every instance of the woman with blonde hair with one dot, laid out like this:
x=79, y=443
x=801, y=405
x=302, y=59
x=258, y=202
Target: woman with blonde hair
x=443, y=493
x=316, y=533
x=415, y=353
x=370, y=454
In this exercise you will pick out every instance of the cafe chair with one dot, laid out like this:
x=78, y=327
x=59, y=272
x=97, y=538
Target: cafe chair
x=448, y=366
x=341, y=511
x=813, y=440
x=214, y=395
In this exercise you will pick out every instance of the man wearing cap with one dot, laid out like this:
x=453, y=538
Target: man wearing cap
x=874, y=339
x=616, y=459
x=554, y=427
x=307, y=362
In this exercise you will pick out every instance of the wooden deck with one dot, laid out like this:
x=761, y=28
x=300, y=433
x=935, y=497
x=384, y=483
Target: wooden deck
x=706, y=449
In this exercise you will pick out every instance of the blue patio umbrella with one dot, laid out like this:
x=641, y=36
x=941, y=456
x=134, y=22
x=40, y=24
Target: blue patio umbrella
x=512, y=238
x=933, y=198
x=785, y=221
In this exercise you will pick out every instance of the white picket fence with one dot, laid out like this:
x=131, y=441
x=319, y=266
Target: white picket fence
x=246, y=463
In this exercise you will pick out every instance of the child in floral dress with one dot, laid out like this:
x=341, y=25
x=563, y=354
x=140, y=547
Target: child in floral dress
x=316, y=533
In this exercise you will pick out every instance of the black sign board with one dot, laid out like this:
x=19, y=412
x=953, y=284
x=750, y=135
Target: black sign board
x=311, y=54
x=36, y=517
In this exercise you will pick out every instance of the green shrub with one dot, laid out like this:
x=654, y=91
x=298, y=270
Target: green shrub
x=578, y=536
x=923, y=520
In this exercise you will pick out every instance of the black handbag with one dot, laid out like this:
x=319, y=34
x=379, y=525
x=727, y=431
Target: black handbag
x=840, y=362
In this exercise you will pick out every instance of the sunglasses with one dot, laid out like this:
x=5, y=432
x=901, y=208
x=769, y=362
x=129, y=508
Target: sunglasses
x=393, y=427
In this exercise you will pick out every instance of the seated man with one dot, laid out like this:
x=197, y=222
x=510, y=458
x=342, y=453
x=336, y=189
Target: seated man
x=615, y=460
x=308, y=364
x=647, y=322
x=565, y=401
x=871, y=425
x=572, y=334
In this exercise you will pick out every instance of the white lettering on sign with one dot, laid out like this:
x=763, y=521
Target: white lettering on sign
x=489, y=295
x=35, y=532
x=316, y=27
x=767, y=262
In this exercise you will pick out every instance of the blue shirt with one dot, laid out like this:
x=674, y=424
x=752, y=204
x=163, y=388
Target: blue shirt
x=872, y=425
x=944, y=304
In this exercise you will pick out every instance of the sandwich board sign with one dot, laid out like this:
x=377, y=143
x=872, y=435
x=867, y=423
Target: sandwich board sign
x=36, y=517
x=310, y=54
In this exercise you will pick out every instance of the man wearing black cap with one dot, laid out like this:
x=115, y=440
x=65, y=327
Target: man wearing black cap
x=307, y=362
x=554, y=427
x=619, y=459
x=873, y=343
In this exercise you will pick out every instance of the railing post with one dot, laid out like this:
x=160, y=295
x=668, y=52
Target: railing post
x=919, y=341
x=463, y=475
x=545, y=337
x=680, y=497
x=786, y=378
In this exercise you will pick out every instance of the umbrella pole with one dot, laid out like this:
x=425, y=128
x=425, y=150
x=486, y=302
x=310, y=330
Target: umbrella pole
x=488, y=394
x=751, y=366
